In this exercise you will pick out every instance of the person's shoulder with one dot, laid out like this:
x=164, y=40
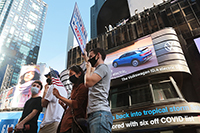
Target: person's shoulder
x=104, y=67
x=83, y=86
x=39, y=97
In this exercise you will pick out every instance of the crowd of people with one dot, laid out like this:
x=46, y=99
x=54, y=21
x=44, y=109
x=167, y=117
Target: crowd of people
x=87, y=111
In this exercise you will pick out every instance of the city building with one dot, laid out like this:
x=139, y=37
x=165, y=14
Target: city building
x=94, y=11
x=154, y=60
x=7, y=78
x=21, y=28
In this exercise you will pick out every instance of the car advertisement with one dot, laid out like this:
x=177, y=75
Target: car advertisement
x=138, y=56
x=197, y=42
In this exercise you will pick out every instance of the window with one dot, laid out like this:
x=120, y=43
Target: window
x=27, y=37
x=120, y=99
x=16, y=18
x=30, y=26
x=35, y=7
x=24, y=50
x=164, y=91
x=140, y=95
x=12, y=30
x=143, y=92
x=119, y=96
x=33, y=16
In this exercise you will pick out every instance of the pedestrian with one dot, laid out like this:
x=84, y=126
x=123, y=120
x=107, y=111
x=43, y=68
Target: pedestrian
x=97, y=78
x=32, y=109
x=54, y=110
x=77, y=104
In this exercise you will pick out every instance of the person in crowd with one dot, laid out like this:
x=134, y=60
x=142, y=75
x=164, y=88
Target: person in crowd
x=97, y=78
x=77, y=104
x=54, y=110
x=32, y=109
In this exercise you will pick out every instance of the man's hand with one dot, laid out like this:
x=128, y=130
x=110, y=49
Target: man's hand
x=19, y=126
x=85, y=56
x=46, y=87
x=56, y=93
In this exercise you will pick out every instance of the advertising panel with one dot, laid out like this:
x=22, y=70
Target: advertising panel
x=10, y=119
x=157, y=117
x=138, y=56
x=28, y=75
x=6, y=98
x=157, y=53
x=78, y=28
x=197, y=42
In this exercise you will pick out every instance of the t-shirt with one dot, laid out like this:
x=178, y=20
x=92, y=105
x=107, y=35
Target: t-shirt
x=54, y=110
x=32, y=103
x=98, y=94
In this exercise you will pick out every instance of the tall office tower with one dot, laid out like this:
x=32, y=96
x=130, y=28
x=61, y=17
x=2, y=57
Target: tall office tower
x=94, y=11
x=21, y=28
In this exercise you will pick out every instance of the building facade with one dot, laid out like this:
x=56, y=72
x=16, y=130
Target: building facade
x=21, y=29
x=7, y=78
x=94, y=11
x=159, y=92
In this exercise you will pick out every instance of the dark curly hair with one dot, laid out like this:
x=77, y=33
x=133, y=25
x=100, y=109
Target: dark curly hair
x=38, y=82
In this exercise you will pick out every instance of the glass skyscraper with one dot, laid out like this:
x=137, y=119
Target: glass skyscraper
x=21, y=28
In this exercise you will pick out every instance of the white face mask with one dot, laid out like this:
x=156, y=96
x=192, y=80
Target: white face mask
x=34, y=90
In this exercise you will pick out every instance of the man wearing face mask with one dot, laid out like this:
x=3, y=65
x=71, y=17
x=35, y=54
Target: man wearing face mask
x=97, y=78
x=32, y=109
x=54, y=110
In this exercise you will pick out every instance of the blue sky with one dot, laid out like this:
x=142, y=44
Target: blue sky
x=54, y=39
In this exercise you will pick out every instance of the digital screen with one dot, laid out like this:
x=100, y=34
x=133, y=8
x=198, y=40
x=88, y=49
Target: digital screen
x=138, y=56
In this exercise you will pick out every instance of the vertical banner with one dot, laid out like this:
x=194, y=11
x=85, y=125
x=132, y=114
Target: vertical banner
x=78, y=28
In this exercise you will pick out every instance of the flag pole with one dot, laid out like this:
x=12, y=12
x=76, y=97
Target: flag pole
x=51, y=75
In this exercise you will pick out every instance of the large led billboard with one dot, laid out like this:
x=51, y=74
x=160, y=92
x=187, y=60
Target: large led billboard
x=140, y=55
x=157, y=53
x=197, y=42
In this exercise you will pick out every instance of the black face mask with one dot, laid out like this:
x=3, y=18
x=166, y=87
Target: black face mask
x=48, y=81
x=93, y=61
x=73, y=78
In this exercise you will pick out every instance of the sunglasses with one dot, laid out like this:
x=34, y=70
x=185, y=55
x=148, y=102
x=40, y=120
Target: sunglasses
x=36, y=85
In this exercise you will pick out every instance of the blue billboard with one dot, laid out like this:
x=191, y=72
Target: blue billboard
x=10, y=119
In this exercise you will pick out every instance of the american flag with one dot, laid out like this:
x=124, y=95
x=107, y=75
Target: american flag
x=55, y=79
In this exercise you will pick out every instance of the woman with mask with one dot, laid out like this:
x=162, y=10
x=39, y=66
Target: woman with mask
x=32, y=109
x=78, y=103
